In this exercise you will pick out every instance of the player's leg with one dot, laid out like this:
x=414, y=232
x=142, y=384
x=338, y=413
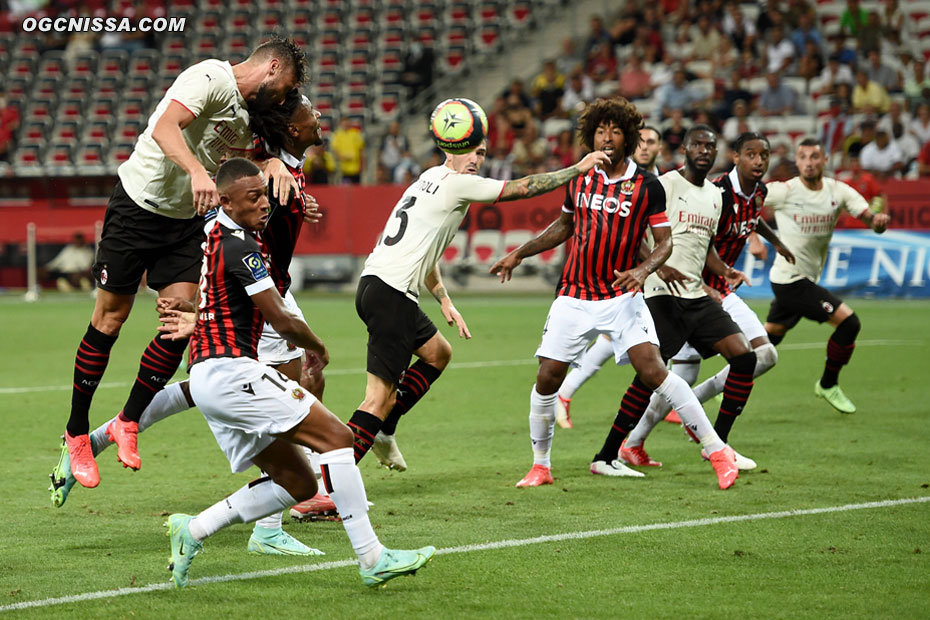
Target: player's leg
x=738, y=385
x=433, y=356
x=591, y=362
x=840, y=348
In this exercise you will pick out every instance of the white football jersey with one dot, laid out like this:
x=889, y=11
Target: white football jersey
x=693, y=213
x=805, y=220
x=422, y=226
x=220, y=129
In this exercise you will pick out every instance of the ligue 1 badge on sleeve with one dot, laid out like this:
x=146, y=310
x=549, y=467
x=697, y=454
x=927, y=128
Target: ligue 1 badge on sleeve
x=626, y=188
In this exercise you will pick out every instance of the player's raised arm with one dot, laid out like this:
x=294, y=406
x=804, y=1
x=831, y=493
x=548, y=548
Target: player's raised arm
x=536, y=184
x=449, y=312
x=167, y=135
x=556, y=233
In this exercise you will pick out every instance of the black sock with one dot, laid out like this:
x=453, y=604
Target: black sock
x=90, y=362
x=364, y=426
x=417, y=381
x=736, y=392
x=776, y=339
x=632, y=407
x=840, y=348
x=159, y=362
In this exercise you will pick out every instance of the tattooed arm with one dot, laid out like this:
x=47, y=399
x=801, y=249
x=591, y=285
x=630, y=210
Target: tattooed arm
x=537, y=184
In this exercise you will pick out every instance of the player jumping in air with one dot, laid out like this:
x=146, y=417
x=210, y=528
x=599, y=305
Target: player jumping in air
x=806, y=208
x=606, y=213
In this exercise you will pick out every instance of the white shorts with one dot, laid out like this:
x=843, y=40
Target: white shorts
x=573, y=323
x=742, y=315
x=274, y=349
x=245, y=403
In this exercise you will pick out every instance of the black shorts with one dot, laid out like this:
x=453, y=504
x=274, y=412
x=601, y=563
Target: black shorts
x=799, y=299
x=396, y=327
x=136, y=241
x=700, y=322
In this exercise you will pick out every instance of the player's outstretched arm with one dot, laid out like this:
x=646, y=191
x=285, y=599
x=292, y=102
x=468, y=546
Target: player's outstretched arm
x=537, y=184
x=167, y=135
x=632, y=279
x=557, y=232
x=734, y=277
x=294, y=329
x=449, y=312
x=769, y=235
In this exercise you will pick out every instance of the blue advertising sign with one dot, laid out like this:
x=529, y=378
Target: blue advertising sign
x=859, y=263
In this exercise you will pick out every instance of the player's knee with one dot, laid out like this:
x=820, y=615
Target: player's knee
x=850, y=327
x=652, y=376
x=744, y=364
x=549, y=378
x=441, y=355
x=297, y=482
x=341, y=436
x=766, y=358
x=186, y=390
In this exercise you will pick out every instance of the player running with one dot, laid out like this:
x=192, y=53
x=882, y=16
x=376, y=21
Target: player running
x=806, y=208
x=286, y=131
x=740, y=216
x=404, y=261
x=606, y=213
x=151, y=225
x=258, y=415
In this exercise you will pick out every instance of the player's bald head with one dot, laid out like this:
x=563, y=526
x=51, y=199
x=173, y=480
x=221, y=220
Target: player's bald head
x=232, y=170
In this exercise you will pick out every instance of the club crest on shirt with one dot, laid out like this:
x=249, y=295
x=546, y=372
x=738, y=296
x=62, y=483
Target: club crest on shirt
x=759, y=201
x=256, y=265
x=626, y=188
x=298, y=394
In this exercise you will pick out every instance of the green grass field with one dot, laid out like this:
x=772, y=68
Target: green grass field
x=618, y=547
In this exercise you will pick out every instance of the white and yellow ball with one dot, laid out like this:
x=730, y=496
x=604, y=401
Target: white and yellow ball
x=458, y=125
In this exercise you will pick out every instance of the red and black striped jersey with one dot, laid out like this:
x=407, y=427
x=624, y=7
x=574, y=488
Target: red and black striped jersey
x=228, y=323
x=279, y=238
x=739, y=216
x=610, y=220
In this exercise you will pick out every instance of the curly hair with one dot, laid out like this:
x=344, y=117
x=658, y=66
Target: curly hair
x=271, y=125
x=617, y=111
x=286, y=51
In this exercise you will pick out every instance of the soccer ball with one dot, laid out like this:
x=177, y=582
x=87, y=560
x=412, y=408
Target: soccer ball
x=458, y=125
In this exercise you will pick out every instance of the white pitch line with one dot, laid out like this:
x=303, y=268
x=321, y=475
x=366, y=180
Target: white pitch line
x=489, y=546
x=528, y=361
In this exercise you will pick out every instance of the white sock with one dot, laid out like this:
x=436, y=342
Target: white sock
x=601, y=351
x=687, y=370
x=682, y=399
x=542, y=424
x=314, y=458
x=271, y=522
x=766, y=358
x=166, y=402
x=255, y=500
x=348, y=493
x=656, y=411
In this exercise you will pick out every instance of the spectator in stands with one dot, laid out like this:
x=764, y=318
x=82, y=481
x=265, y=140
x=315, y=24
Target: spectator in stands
x=674, y=134
x=734, y=92
x=602, y=63
x=348, y=146
x=739, y=123
x=783, y=167
x=648, y=44
x=833, y=131
x=920, y=124
x=894, y=21
x=881, y=156
x=547, y=89
x=529, y=151
x=844, y=94
x=516, y=89
x=565, y=148
x=853, y=18
x=908, y=144
x=847, y=55
x=500, y=164
x=917, y=84
x=740, y=30
x=856, y=141
x=569, y=58
x=835, y=73
x=393, y=146
x=869, y=97
x=810, y=64
x=623, y=28
x=518, y=116
x=319, y=166
x=578, y=92
x=71, y=268
x=769, y=17
x=705, y=38
x=417, y=72
x=863, y=182
x=596, y=36
x=723, y=60
x=635, y=81
x=923, y=161
x=9, y=123
x=870, y=35
x=677, y=95
x=499, y=132
x=806, y=32
x=896, y=114
x=778, y=99
x=779, y=52
x=407, y=170
x=881, y=73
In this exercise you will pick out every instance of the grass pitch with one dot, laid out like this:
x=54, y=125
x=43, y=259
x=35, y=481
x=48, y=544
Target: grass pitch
x=467, y=444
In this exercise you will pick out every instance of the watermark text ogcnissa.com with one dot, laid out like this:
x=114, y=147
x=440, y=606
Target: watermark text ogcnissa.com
x=103, y=24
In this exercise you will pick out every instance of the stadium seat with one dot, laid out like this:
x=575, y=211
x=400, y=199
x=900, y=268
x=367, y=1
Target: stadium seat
x=27, y=160
x=520, y=13
x=514, y=239
x=484, y=248
x=84, y=64
x=113, y=64
x=454, y=254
